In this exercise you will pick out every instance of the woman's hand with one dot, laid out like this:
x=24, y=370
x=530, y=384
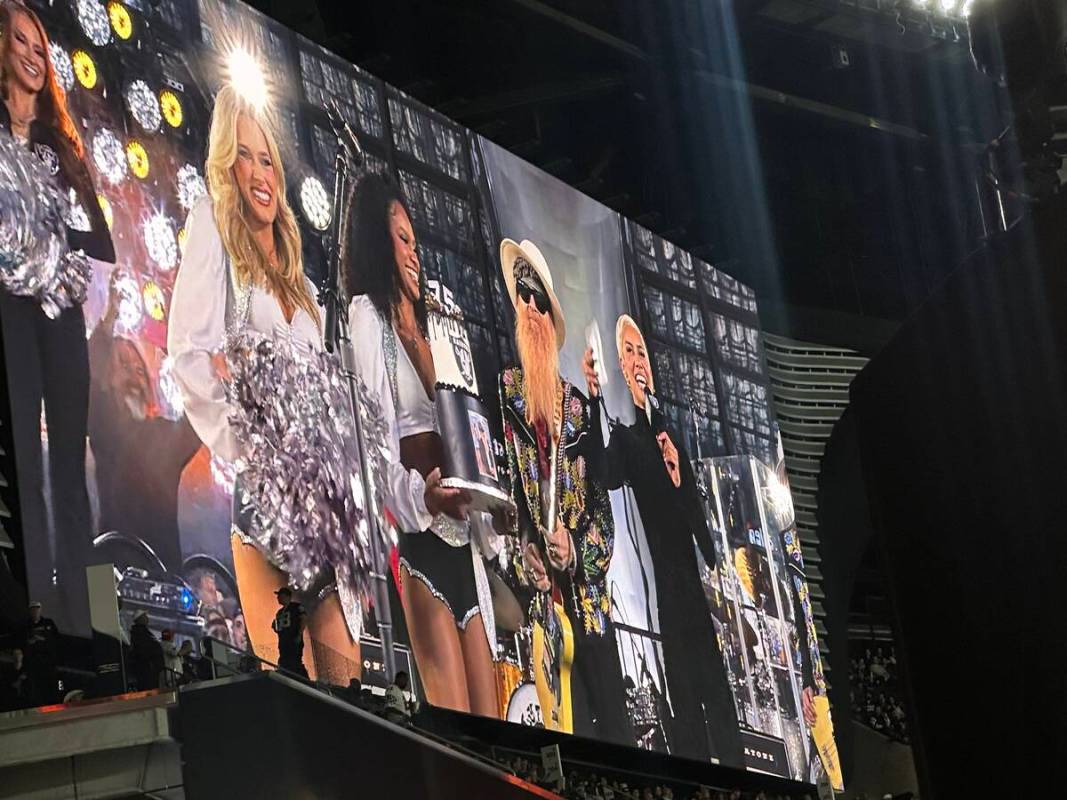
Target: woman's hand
x=442, y=500
x=670, y=458
x=592, y=382
x=221, y=367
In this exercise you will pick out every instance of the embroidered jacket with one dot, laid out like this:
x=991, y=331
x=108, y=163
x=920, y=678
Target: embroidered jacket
x=582, y=506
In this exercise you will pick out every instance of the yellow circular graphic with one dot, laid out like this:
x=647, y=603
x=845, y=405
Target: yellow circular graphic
x=105, y=206
x=182, y=236
x=84, y=68
x=172, y=108
x=153, y=301
x=120, y=19
x=137, y=157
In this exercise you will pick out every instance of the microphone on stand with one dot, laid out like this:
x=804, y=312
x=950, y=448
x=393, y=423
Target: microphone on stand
x=345, y=135
x=652, y=400
x=658, y=422
x=349, y=155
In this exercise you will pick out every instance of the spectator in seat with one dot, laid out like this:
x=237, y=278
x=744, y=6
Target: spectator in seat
x=351, y=693
x=146, y=659
x=40, y=647
x=289, y=624
x=399, y=705
x=190, y=668
x=16, y=686
x=172, y=662
x=367, y=700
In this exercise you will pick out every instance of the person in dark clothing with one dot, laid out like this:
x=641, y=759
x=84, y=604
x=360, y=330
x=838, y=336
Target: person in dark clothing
x=146, y=654
x=190, y=672
x=368, y=701
x=40, y=646
x=351, y=693
x=48, y=359
x=289, y=624
x=646, y=456
x=16, y=685
x=133, y=443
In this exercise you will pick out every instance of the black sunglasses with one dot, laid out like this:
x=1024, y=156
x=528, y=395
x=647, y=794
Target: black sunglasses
x=540, y=298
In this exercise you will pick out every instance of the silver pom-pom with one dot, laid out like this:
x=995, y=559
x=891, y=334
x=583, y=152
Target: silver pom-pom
x=301, y=467
x=35, y=260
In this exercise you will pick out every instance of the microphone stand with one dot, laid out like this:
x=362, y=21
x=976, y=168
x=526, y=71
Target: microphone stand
x=330, y=296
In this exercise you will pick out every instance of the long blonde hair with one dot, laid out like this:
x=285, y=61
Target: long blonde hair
x=286, y=282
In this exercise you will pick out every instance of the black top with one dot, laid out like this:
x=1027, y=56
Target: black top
x=143, y=641
x=70, y=172
x=673, y=517
x=40, y=640
x=288, y=624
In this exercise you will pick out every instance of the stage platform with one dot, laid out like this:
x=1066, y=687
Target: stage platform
x=115, y=747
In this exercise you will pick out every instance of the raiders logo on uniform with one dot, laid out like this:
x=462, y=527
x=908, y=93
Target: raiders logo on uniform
x=48, y=156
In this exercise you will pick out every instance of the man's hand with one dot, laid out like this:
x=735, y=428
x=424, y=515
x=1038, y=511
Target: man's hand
x=531, y=559
x=807, y=702
x=442, y=500
x=592, y=383
x=670, y=458
x=559, y=547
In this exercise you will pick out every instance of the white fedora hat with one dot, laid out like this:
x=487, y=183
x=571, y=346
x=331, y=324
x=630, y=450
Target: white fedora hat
x=510, y=252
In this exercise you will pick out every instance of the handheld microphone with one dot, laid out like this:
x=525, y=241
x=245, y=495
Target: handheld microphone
x=652, y=401
x=344, y=132
x=592, y=339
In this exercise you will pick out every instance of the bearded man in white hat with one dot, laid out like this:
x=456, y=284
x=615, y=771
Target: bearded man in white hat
x=650, y=458
x=564, y=524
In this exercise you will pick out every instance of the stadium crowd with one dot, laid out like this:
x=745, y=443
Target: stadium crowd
x=589, y=785
x=876, y=691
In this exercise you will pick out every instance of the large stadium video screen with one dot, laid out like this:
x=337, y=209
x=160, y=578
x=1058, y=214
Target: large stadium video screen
x=560, y=480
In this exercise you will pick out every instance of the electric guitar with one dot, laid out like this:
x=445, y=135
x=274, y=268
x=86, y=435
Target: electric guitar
x=553, y=635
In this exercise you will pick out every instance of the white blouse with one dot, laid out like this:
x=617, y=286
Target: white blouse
x=406, y=488
x=198, y=324
x=416, y=413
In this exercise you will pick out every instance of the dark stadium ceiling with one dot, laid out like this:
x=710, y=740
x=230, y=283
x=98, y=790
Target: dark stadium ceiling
x=866, y=118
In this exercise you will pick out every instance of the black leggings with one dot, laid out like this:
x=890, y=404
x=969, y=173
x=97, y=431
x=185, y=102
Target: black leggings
x=49, y=360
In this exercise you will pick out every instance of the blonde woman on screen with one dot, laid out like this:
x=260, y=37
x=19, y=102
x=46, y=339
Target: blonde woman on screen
x=242, y=272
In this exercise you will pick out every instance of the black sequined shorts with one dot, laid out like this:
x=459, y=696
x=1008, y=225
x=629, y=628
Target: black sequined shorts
x=448, y=572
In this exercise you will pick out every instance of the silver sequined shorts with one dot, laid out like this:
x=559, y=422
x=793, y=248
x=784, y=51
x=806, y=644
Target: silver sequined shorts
x=317, y=589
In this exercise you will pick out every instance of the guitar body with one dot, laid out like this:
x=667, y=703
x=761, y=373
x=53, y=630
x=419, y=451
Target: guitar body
x=553, y=658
